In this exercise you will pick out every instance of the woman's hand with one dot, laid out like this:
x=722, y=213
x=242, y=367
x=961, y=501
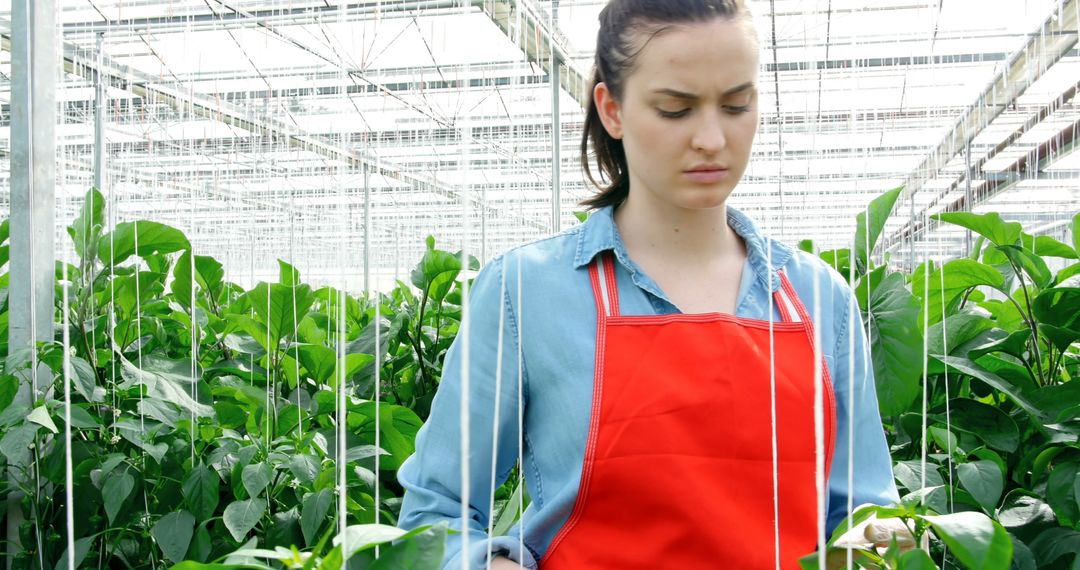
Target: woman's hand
x=871, y=533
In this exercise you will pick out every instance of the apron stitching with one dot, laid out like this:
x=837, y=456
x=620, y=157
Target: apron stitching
x=826, y=379
x=590, y=448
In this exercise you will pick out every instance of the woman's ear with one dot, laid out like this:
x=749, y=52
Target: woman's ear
x=609, y=109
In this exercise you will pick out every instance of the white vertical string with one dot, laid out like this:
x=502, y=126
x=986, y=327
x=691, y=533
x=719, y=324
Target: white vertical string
x=948, y=410
x=465, y=329
x=69, y=478
x=772, y=411
x=495, y=415
x=521, y=413
x=819, y=426
x=853, y=308
x=194, y=329
x=927, y=265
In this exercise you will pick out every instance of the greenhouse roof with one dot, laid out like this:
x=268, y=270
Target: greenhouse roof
x=263, y=128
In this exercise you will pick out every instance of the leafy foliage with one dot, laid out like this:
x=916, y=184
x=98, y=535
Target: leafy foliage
x=204, y=414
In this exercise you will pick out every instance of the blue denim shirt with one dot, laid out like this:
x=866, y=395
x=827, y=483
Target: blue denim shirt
x=530, y=333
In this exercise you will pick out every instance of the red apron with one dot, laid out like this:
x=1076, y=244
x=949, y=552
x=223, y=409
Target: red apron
x=678, y=469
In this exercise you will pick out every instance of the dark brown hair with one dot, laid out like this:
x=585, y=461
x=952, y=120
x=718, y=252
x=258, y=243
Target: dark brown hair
x=617, y=44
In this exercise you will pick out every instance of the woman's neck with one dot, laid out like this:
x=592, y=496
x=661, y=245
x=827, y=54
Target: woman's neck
x=676, y=234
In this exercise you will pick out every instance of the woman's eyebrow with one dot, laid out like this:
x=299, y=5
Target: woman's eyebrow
x=692, y=97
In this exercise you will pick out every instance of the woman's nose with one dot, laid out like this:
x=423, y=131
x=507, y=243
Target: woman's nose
x=709, y=134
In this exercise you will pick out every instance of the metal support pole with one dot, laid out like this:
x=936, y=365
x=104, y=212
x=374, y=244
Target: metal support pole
x=367, y=232
x=556, y=132
x=99, y=116
x=33, y=159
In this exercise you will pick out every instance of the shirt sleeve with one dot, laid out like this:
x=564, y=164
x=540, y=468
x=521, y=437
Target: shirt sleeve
x=434, y=477
x=860, y=436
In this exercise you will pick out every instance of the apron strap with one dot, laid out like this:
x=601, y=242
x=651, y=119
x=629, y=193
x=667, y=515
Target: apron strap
x=791, y=306
x=606, y=292
x=791, y=309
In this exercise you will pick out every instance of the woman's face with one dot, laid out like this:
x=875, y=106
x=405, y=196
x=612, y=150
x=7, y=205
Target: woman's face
x=688, y=114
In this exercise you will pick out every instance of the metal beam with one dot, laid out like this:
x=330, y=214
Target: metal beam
x=145, y=86
x=1054, y=38
x=542, y=43
x=33, y=178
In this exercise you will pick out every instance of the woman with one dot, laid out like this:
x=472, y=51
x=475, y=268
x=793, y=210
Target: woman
x=662, y=353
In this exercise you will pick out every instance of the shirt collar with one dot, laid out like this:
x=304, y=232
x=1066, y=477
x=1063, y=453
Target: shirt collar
x=599, y=233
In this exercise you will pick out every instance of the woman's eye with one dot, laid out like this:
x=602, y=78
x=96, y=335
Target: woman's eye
x=673, y=114
x=736, y=109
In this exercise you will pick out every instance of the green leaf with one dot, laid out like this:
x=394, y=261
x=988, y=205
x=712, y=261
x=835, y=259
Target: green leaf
x=838, y=259
x=9, y=388
x=191, y=565
x=435, y=274
x=1061, y=492
x=1021, y=511
x=1058, y=306
x=86, y=228
x=229, y=415
x=1061, y=337
x=115, y=490
x=288, y=274
x=581, y=216
x=421, y=551
x=986, y=422
x=16, y=440
x=945, y=439
x=896, y=343
x=256, y=477
x=173, y=534
x=363, y=536
x=82, y=547
x=984, y=480
x=208, y=276
x=40, y=416
x=990, y=226
x=916, y=559
x=1076, y=232
x=280, y=307
x=1054, y=543
x=80, y=418
x=974, y=370
x=168, y=380
x=152, y=237
x=242, y=516
x=318, y=360
x=1015, y=344
x=201, y=488
x=5, y=230
x=304, y=468
x=137, y=289
x=85, y=380
x=974, y=539
x=951, y=280
x=909, y=475
x=1046, y=246
x=956, y=330
x=313, y=514
x=869, y=224
x=1029, y=263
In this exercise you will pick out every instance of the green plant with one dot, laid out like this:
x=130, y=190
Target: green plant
x=999, y=432
x=203, y=414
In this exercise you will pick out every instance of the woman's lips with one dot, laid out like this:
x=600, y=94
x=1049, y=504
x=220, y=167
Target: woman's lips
x=706, y=175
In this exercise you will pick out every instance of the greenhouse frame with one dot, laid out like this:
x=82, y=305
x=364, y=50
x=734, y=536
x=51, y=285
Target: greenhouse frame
x=240, y=238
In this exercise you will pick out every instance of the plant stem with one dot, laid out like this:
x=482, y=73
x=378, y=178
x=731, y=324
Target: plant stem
x=1030, y=322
